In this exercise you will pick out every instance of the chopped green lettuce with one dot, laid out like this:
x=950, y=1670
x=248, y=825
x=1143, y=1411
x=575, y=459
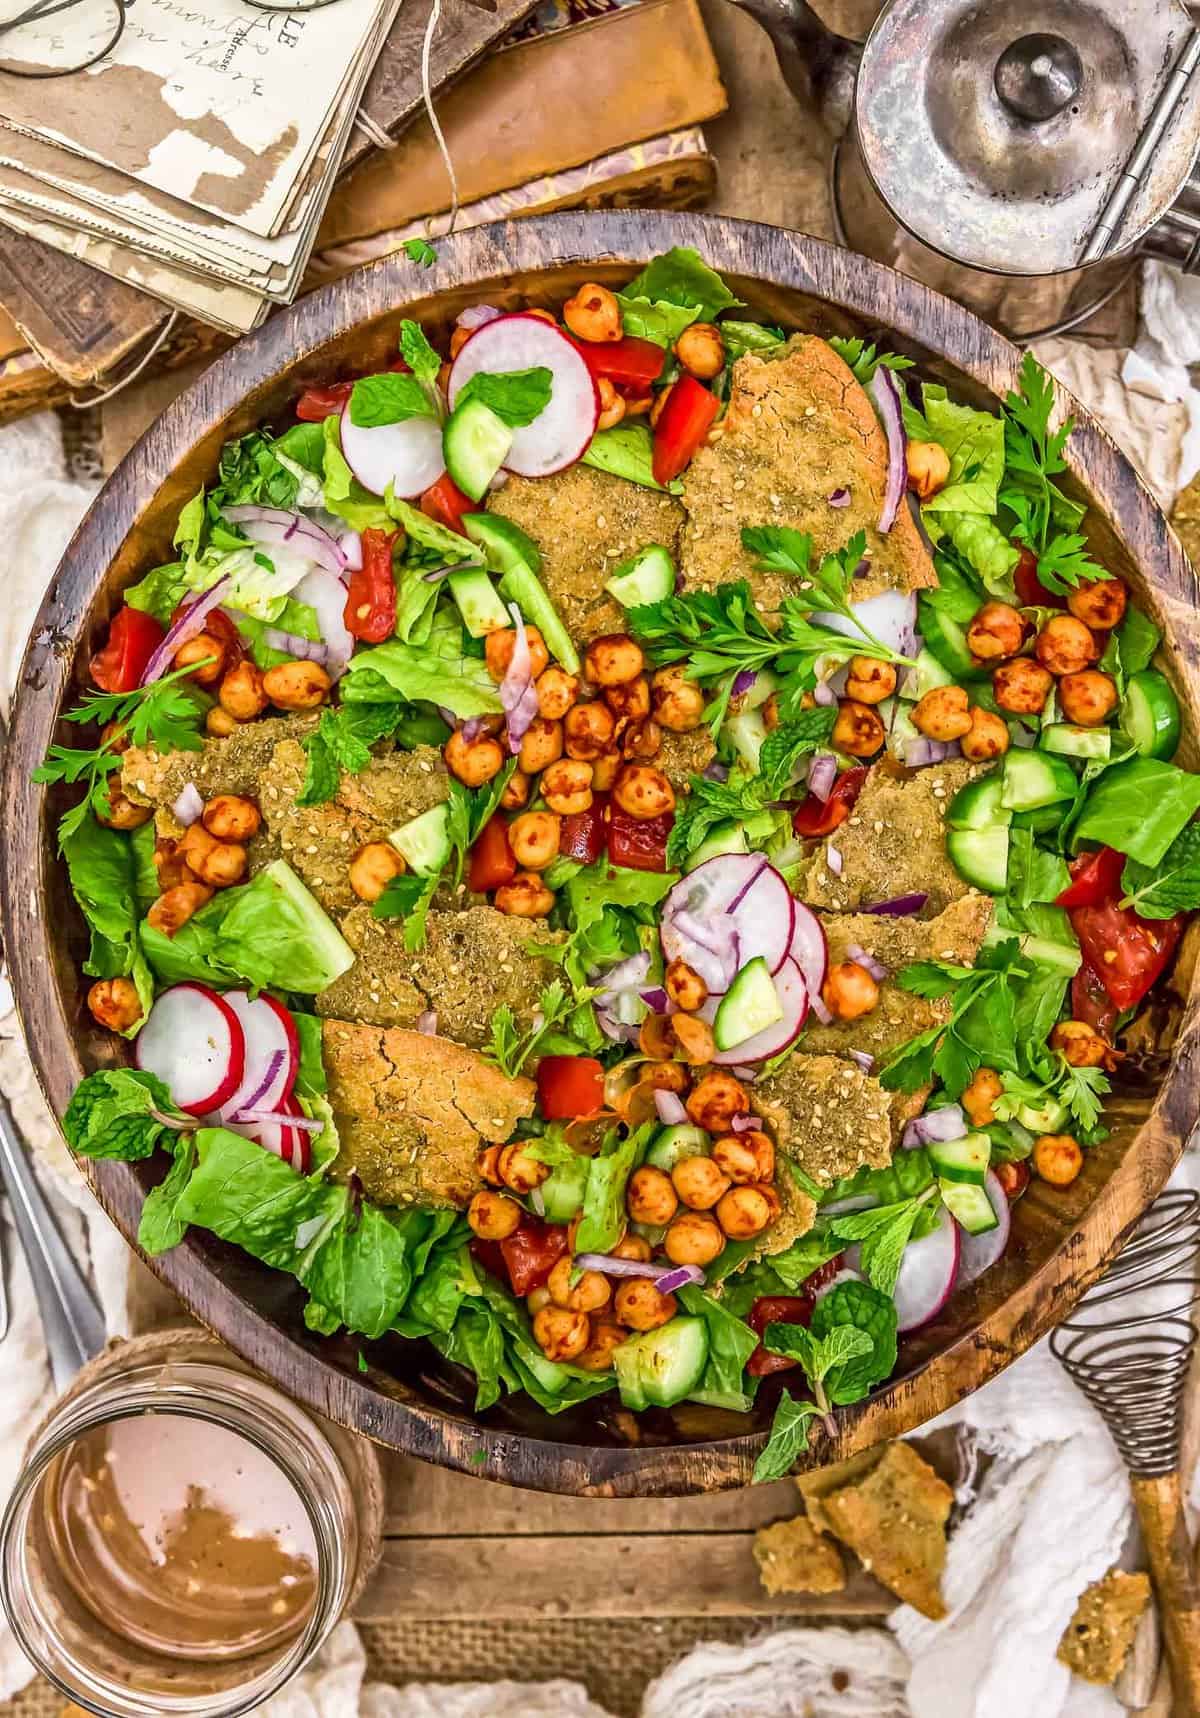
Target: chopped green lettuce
x=436, y=672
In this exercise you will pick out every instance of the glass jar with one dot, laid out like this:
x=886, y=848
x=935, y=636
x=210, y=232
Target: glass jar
x=182, y=1537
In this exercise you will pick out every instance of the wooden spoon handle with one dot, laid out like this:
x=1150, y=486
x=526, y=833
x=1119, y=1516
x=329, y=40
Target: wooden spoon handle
x=1160, y=1511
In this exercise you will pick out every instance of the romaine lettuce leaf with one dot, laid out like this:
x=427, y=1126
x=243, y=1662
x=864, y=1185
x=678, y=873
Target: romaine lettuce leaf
x=103, y=871
x=436, y=672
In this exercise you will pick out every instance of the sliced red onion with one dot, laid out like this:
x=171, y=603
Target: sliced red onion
x=840, y=498
x=518, y=693
x=437, y=574
x=861, y=957
x=427, y=1022
x=920, y=753
x=749, y=1075
x=709, y=947
x=475, y=315
x=189, y=625
x=833, y=858
x=817, y=1003
x=350, y=543
x=656, y=999
x=745, y=1124
x=822, y=773
x=497, y=480
x=864, y=1059
x=742, y=681
x=899, y=907
x=673, y=1275
x=303, y=536
x=935, y=1127
x=188, y=807
x=325, y=594
x=612, y=1028
x=670, y=1107
x=679, y=1277
x=885, y=396
x=304, y=1124
x=473, y=727
x=824, y=695
x=303, y=649
x=716, y=771
x=627, y=974
x=268, y=1080
x=448, y=716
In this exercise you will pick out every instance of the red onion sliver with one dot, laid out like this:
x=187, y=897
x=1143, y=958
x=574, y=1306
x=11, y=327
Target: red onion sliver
x=899, y=907
x=742, y=681
x=745, y=1124
x=864, y=1059
x=824, y=695
x=861, y=957
x=303, y=649
x=716, y=771
x=304, y=536
x=427, y=1023
x=679, y=1278
x=671, y=1111
x=274, y=1064
x=885, y=396
x=822, y=773
x=833, y=858
x=936, y=1126
x=749, y=1075
x=475, y=315
x=840, y=498
x=189, y=625
x=518, y=693
x=817, y=1003
x=656, y=999
x=304, y=1124
x=188, y=807
x=676, y=1275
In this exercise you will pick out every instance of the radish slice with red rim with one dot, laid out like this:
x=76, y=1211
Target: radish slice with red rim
x=740, y=892
x=978, y=1253
x=326, y=596
x=793, y=999
x=808, y=948
x=272, y=1052
x=407, y=455
x=928, y=1272
x=562, y=430
x=194, y=1043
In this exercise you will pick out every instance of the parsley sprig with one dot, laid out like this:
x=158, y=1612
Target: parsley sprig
x=981, y=1011
x=1044, y=519
x=864, y=359
x=510, y=1048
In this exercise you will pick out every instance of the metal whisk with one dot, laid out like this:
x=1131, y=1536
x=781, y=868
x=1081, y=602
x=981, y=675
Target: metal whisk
x=1128, y=1346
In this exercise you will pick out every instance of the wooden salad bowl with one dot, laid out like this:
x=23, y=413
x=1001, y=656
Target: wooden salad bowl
x=407, y=1397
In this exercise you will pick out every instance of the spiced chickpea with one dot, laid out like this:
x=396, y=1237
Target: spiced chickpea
x=698, y=1182
x=556, y=692
x=206, y=653
x=223, y=865
x=541, y=745
x=588, y=730
x=928, y=468
x=639, y=1304
x=632, y=1247
x=598, y=1355
x=857, y=730
x=666, y=1077
x=231, y=817
x=174, y=908
x=561, y=1335
x=868, y=682
x=715, y=1100
x=849, y=991
x=642, y=740
x=242, y=693
x=1057, y=1159
x=493, y=1216
x=1087, y=699
x=588, y=1293
x=745, y=1157
x=643, y=791
x=694, y=1238
x=639, y=405
x=526, y=897
x=998, y=630
x=1021, y=686
x=498, y=650
x=536, y=1299
x=987, y=737
x=701, y=351
x=593, y=314
x=487, y=1165
x=979, y=1098
x=743, y=1212
x=1065, y=646
x=296, y=685
x=122, y=813
x=658, y=402
x=1014, y=1178
x=1100, y=603
x=650, y=1197
x=685, y=987
x=943, y=714
x=533, y=838
x=115, y=1003
x=567, y=786
x=678, y=702
x=473, y=762
x=220, y=724
x=605, y=771
x=373, y=868
x=774, y=1204
x=195, y=844
x=770, y=712
x=630, y=699
x=516, y=792
x=170, y=866
x=612, y=406
x=694, y=1039
x=1082, y=1046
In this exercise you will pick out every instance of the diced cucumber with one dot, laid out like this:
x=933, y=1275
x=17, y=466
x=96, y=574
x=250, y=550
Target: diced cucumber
x=749, y=1006
x=901, y=731
x=963, y=1159
x=562, y=1190
x=425, y=841
x=1049, y=1117
x=926, y=676
x=552, y=1376
x=1075, y=742
x=1046, y=952
x=673, y=1144
x=646, y=577
x=520, y=585
x=746, y=732
x=763, y=685
x=1150, y=714
x=660, y=1367
x=1031, y=779
x=980, y=856
x=1045, y=818
x=946, y=642
x=725, y=838
x=971, y=1206
x=977, y=805
x=475, y=443
x=504, y=544
x=481, y=609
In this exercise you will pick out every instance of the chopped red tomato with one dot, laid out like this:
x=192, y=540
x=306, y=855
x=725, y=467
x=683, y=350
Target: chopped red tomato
x=688, y=414
x=370, y=612
x=488, y=1254
x=813, y=816
x=582, y=834
x=1126, y=953
x=317, y=404
x=1013, y=1178
x=1031, y=592
x=132, y=640
x=1091, y=1003
x=569, y=1086
x=445, y=503
x=1095, y=877
x=640, y=843
x=492, y=862
x=626, y=363
x=532, y=1252
x=776, y=1309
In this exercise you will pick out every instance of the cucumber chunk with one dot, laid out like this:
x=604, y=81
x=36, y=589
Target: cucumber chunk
x=1031, y=779
x=980, y=856
x=481, y=609
x=977, y=805
x=971, y=1206
x=504, y=544
x=946, y=642
x=661, y=1367
x=562, y=1190
x=749, y=1006
x=1050, y=1117
x=646, y=577
x=1075, y=742
x=964, y=1160
x=926, y=676
x=746, y=732
x=475, y=443
x=424, y=841
x=515, y=556
x=725, y=838
x=673, y=1144
x=1150, y=714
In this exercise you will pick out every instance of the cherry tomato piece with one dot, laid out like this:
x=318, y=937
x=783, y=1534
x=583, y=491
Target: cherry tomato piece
x=639, y=843
x=776, y=1309
x=569, y=1086
x=1095, y=877
x=531, y=1253
x=132, y=640
x=317, y=404
x=370, y=612
x=626, y=363
x=582, y=834
x=813, y=816
x=1091, y=1003
x=687, y=416
x=1013, y=1178
x=492, y=861
x=445, y=503
x=1126, y=953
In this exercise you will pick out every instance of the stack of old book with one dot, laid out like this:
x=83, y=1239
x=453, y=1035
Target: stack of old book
x=588, y=103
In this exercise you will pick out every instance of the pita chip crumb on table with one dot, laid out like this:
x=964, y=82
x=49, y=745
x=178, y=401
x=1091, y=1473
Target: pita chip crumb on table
x=793, y=1557
x=1096, y=1641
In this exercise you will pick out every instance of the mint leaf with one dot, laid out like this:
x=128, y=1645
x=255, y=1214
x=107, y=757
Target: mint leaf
x=516, y=396
x=331, y=748
x=419, y=251
x=392, y=398
x=868, y=1310
x=884, y=1233
x=418, y=354
x=788, y=1439
x=1173, y=885
x=111, y=1115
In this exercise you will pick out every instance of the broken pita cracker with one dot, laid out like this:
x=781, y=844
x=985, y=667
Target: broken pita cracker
x=793, y=1558
x=1097, y=1639
x=895, y=1522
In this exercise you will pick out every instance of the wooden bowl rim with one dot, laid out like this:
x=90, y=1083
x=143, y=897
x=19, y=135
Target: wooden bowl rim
x=475, y=260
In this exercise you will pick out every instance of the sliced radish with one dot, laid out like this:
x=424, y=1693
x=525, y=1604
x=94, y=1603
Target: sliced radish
x=845, y=1275
x=927, y=1274
x=561, y=432
x=809, y=949
x=326, y=595
x=193, y=1041
x=890, y=617
x=793, y=997
x=406, y=455
x=751, y=895
x=272, y=1053
x=302, y=1141
x=978, y=1253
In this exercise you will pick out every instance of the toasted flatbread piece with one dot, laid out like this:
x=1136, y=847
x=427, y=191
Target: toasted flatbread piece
x=681, y=756
x=793, y=1558
x=797, y=429
x=233, y=765
x=413, y=1111
x=827, y=1115
x=1098, y=1637
x=585, y=523
x=894, y=1520
x=815, y=1485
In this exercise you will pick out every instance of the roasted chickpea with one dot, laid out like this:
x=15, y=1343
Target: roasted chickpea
x=698, y=1182
x=516, y=792
x=928, y=468
x=593, y=314
x=774, y=1205
x=631, y=699
x=998, y=630
x=487, y=1165
x=473, y=761
x=493, y=1216
x=639, y=405
x=220, y=724
x=195, y=844
x=715, y=1100
x=541, y=746
x=685, y=986
x=373, y=868
x=498, y=650
x=598, y=1355
x=230, y=817
x=650, y=1197
x=943, y=714
x=533, y=838
x=1083, y=1046
x=678, y=701
x=612, y=406
x=658, y=403
x=694, y=1238
x=556, y=692
x=849, y=991
x=206, y=650
x=115, y=1003
x=588, y=730
x=173, y=909
x=638, y=1304
x=694, y=1039
x=242, y=693
x=561, y=1335
x=857, y=730
x=632, y=1247
x=745, y=1157
x=643, y=791
x=296, y=685
x=567, y=786
x=770, y=712
x=588, y=1294
x=701, y=351
x=1057, y=1159
x=536, y=1299
x=526, y=897
x=666, y=1077
x=170, y=866
x=1014, y=1178
x=1087, y=699
x=605, y=771
x=1099, y=604
x=122, y=813
x=1021, y=686
x=986, y=738
x=642, y=740
x=744, y=1212
x=223, y=865
x=979, y=1098
x=1065, y=646
x=458, y=339
x=868, y=682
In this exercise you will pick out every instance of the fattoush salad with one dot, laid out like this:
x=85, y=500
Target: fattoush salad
x=618, y=845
